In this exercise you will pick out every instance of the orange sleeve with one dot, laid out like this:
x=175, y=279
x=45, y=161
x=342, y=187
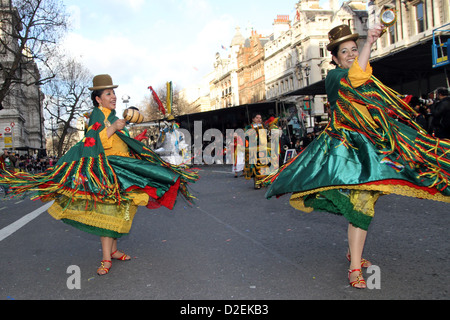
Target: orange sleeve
x=106, y=142
x=357, y=76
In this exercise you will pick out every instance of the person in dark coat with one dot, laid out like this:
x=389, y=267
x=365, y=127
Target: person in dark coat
x=441, y=115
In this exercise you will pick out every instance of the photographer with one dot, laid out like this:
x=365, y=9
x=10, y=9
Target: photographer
x=441, y=115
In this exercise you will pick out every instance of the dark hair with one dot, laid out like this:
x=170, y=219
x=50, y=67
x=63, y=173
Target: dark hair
x=94, y=94
x=442, y=91
x=334, y=53
x=254, y=114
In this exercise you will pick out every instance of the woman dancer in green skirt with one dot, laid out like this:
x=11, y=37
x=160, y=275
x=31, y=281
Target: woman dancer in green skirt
x=371, y=146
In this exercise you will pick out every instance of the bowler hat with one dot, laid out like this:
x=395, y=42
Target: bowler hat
x=101, y=82
x=340, y=34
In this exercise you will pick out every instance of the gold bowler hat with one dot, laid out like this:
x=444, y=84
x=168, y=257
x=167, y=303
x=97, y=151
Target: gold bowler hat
x=102, y=81
x=340, y=34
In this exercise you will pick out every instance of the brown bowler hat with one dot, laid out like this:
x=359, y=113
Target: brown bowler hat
x=340, y=34
x=102, y=81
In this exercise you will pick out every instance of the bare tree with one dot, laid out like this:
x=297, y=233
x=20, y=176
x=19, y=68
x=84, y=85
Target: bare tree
x=29, y=32
x=68, y=99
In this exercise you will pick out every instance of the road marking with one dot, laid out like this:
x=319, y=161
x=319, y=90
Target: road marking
x=226, y=172
x=13, y=227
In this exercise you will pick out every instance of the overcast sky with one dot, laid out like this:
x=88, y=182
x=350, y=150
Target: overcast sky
x=149, y=42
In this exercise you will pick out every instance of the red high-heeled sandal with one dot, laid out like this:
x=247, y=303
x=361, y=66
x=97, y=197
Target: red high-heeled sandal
x=364, y=263
x=121, y=258
x=359, y=279
x=103, y=268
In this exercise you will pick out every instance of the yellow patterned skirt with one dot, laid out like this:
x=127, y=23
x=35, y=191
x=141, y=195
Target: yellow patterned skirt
x=105, y=219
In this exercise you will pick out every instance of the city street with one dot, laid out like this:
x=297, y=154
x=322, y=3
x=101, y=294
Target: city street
x=231, y=244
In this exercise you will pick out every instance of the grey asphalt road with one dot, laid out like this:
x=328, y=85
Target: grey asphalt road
x=231, y=244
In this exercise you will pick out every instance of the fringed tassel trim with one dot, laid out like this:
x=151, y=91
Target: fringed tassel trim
x=90, y=180
x=386, y=108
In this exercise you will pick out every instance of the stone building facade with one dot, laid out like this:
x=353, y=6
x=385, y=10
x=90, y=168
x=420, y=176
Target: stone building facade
x=297, y=57
x=21, y=120
x=403, y=56
x=250, y=73
x=268, y=68
x=279, y=59
x=224, y=88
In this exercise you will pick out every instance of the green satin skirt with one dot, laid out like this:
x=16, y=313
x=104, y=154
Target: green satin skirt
x=141, y=184
x=332, y=176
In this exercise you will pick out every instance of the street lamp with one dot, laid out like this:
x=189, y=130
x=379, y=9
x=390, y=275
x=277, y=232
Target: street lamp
x=307, y=72
x=125, y=100
x=38, y=85
x=53, y=139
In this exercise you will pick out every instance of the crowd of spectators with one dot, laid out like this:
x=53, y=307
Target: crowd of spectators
x=26, y=163
x=433, y=113
x=33, y=164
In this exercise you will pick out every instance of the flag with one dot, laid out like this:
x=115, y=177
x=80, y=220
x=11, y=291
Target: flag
x=169, y=97
x=155, y=97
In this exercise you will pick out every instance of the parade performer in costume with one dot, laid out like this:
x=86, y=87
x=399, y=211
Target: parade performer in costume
x=258, y=162
x=171, y=145
x=371, y=146
x=274, y=135
x=99, y=183
x=237, y=148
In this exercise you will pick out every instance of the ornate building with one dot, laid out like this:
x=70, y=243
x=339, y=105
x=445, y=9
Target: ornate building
x=297, y=56
x=402, y=58
x=224, y=88
x=296, y=61
x=21, y=121
x=279, y=59
x=250, y=71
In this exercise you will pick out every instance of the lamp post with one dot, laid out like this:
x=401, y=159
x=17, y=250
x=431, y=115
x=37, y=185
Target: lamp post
x=307, y=73
x=53, y=134
x=38, y=85
x=125, y=100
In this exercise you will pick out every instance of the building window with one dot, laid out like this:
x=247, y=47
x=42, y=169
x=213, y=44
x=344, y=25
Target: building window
x=322, y=50
x=420, y=17
x=392, y=34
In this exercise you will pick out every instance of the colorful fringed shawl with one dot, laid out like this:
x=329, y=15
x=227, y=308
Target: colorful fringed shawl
x=371, y=146
x=428, y=156
x=85, y=171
